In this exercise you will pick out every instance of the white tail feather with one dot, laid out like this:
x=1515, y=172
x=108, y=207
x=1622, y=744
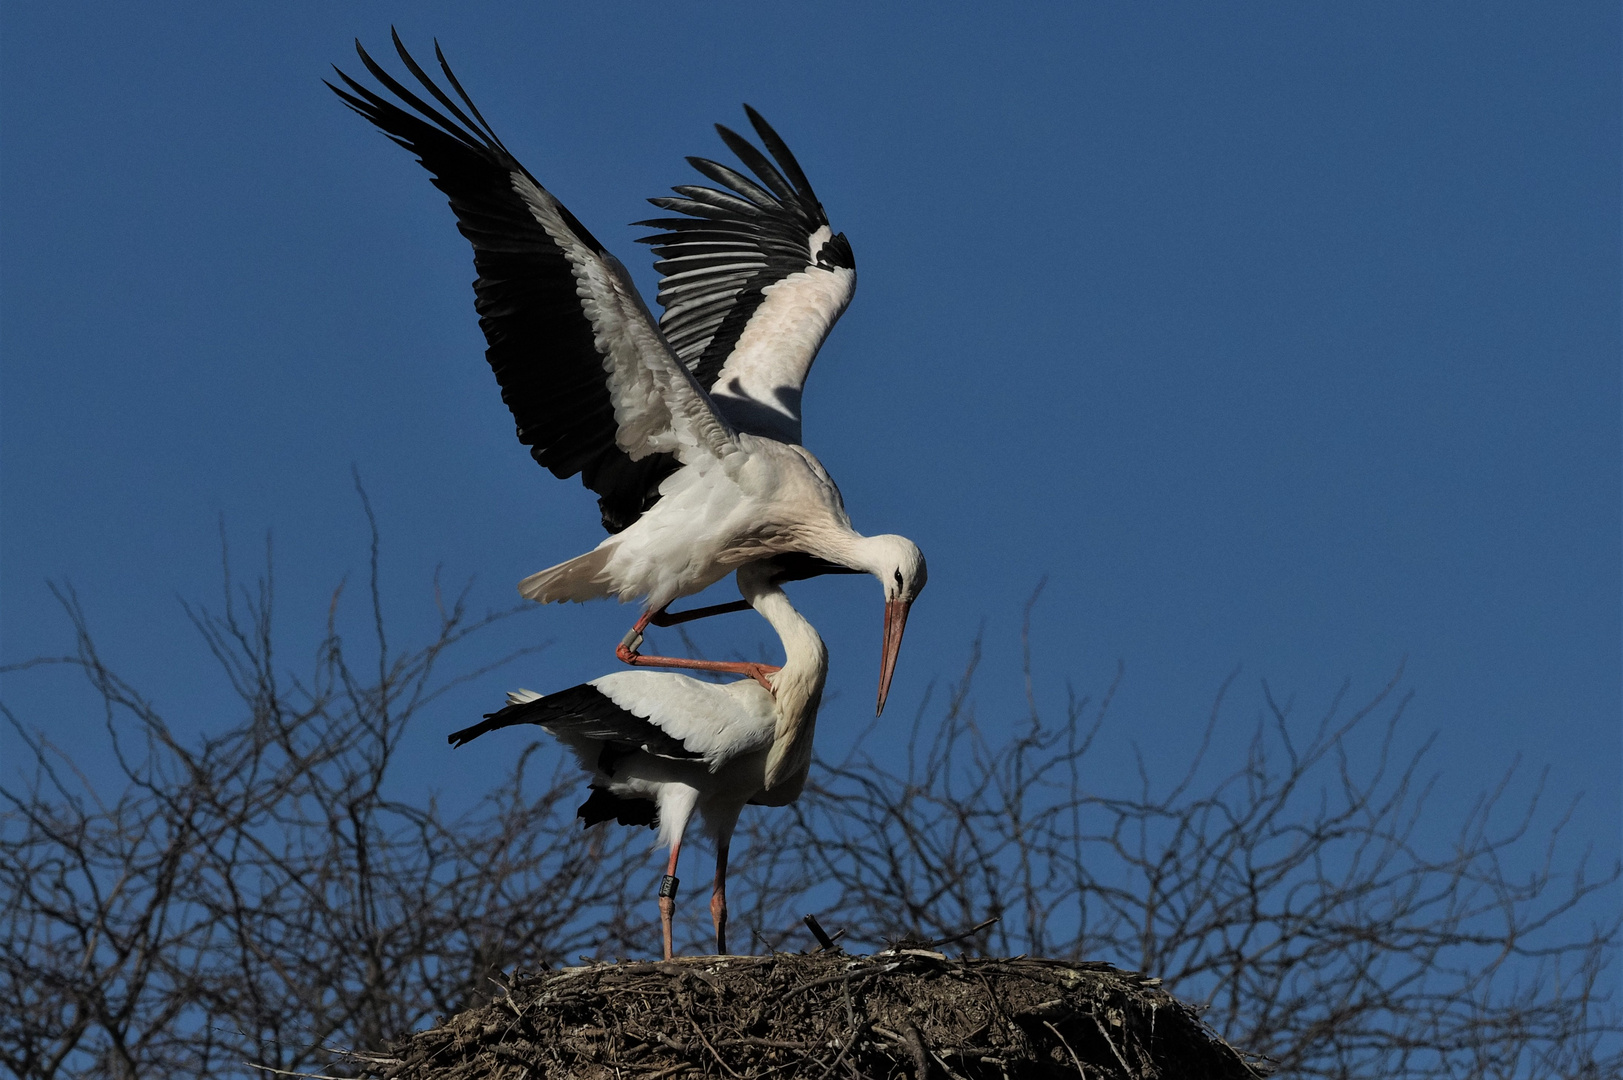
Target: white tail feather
x=580, y=579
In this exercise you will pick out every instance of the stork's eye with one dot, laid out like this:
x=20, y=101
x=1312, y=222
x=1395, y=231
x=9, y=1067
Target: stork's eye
x=898, y=578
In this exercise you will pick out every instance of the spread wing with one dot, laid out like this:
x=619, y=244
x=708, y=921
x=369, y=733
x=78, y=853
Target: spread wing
x=716, y=721
x=660, y=713
x=591, y=384
x=580, y=714
x=751, y=280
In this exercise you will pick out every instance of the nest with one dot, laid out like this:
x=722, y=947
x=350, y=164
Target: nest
x=901, y=1013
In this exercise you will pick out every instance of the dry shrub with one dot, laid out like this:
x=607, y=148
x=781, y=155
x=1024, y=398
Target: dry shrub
x=1292, y=883
x=256, y=896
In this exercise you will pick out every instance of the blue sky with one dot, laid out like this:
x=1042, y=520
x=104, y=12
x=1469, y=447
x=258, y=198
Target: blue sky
x=1281, y=336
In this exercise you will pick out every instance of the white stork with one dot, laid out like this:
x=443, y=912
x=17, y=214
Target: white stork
x=660, y=746
x=689, y=429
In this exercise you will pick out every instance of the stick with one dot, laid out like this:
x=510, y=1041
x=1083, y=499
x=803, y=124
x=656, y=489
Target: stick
x=823, y=940
x=971, y=932
x=1080, y=1071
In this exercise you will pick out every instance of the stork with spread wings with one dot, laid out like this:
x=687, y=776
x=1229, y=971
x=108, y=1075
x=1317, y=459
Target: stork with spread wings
x=687, y=429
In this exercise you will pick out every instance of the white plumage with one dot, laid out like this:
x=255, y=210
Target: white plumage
x=661, y=746
x=689, y=429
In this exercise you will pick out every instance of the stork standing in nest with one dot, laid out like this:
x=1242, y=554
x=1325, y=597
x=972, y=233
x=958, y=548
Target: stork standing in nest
x=688, y=429
x=660, y=746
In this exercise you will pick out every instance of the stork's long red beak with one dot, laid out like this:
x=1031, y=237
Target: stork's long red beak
x=895, y=623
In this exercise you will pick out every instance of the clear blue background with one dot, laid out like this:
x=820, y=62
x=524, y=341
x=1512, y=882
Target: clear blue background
x=1274, y=335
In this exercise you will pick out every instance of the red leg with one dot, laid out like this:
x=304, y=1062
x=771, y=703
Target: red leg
x=627, y=649
x=758, y=672
x=667, y=896
x=718, y=898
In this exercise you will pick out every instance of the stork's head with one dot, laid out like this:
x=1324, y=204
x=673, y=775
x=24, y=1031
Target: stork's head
x=899, y=565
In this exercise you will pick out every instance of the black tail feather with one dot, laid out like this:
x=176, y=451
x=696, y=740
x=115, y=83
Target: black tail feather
x=603, y=805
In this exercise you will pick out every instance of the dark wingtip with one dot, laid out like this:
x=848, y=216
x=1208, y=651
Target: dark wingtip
x=782, y=155
x=468, y=734
x=768, y=134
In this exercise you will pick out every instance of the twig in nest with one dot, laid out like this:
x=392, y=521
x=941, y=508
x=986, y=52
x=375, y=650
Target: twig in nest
x=671, y=1070
x=860, y=973
x=1080, y=1071
x=915, y=1043
x=824, y=939
x=856, y=1033
x=971, y=932
x=948, y=1069
x=1125, y=1068
x=699, y=1031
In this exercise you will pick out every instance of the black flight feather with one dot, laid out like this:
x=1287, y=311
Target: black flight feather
x=540, y=344
x=583, y=712
x=716, y=262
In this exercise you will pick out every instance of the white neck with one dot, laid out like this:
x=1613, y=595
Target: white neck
x=797, y=686
x=847, y=547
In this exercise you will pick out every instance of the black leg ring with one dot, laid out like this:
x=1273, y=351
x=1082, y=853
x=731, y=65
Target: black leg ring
x=667, y=887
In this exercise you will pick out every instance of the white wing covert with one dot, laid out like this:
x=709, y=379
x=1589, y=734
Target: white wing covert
x=658, y=406
x=752, y=281
x=716, y=721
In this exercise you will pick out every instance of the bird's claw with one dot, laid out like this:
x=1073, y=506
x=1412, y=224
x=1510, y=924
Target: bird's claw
x=759, y=673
